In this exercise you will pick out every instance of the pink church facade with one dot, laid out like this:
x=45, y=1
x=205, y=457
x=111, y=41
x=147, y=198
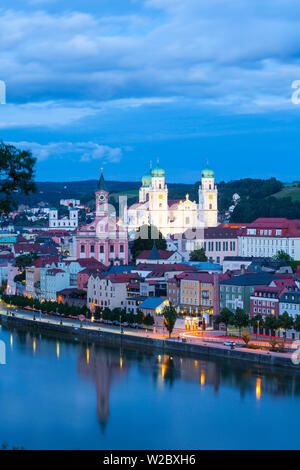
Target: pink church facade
x=103, y=239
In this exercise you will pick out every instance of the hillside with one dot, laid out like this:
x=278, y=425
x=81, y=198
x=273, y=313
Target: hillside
x=258, y=197
x=292, y=192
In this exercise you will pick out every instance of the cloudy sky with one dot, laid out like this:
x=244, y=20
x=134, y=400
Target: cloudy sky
x=117, y=83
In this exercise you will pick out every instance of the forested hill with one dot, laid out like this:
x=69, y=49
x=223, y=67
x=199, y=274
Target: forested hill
x=259, y=198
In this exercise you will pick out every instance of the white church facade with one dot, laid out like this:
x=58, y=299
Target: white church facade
x=70, y=222
x=173, y=216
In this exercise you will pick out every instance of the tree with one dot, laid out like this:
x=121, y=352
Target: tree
x=170, y=315
x=271, y=323
x=226, y=316
x=297, y=323
x=283, y=256
x=16, y=174
x=198, y=255
x=257, y=322
x=145, y=238
x=246, y=337
x=286, y=322
x=241, y=319
x=23, y=261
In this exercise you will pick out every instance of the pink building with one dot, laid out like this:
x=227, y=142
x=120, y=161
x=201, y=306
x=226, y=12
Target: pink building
x=103, y=239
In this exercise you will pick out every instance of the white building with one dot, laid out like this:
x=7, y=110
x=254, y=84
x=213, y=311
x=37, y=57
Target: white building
x=170, y=217
x=290, y=303
x=65, y=222
x=265, y=237
x=53, y=280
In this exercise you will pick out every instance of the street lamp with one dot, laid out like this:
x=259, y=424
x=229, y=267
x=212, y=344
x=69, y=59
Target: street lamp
x=257, y=330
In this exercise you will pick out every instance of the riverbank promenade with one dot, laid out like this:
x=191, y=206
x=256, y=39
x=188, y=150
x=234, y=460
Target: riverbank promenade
x=181, y=340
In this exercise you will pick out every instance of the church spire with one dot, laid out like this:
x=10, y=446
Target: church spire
x=101, y=184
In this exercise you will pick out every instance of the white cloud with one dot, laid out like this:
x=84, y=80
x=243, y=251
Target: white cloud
x=210, y=51
x=78, y=151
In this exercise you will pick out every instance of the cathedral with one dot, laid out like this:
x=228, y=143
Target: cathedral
x=173, y=216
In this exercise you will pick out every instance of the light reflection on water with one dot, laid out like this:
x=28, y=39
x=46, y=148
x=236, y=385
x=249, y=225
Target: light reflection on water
x=56, y=394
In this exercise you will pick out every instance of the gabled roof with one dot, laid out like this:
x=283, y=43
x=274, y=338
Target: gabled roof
x=152, y=302
x=250, y=279
x=155, y=254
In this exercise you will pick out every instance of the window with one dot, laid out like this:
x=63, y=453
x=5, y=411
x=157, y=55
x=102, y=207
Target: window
x=111, y=248
x=101, y=249
x=121, y=248
x=82, y=248
x=92, y=248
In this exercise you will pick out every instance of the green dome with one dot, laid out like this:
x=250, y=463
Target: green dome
x=157, y=171
x=208, y=173
x=147, y=179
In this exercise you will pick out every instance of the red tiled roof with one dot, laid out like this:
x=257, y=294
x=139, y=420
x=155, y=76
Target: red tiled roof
x=165, y=267
x=289, y=228
x=164, y=254
x=202, y=277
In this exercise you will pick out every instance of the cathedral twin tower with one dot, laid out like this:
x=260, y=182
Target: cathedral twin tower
x=173, y=216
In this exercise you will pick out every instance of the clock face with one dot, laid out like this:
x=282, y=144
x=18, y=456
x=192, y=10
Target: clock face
x=211, y=196
x=101, y=198
x=160, y=196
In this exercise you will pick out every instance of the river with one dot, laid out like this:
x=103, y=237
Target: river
x=59, y=394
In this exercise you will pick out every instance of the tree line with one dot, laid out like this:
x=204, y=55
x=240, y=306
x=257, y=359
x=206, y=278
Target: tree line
x=241, y=320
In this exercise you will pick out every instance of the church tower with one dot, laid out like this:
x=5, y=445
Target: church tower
x=208, y=199
x=102, y=214
x=146, y=184
x=158, y=200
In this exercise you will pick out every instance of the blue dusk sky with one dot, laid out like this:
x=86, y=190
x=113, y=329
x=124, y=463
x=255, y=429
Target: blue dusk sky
x=117, y=83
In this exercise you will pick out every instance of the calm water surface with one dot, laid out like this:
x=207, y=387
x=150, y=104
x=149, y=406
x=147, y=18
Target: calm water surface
x=56, y=394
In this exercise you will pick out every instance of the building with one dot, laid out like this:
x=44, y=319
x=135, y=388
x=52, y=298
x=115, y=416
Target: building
x=217, y=242
x=70, y=222
x=236, y=263
x=265, y=301
x=290, y=302
x=197, y=294
x=265, y=237
x=71, y=296
x=109, y=290
x=105, y=238
x=173, y=216
x=236, y=291
x=154, y=306
x=53, y=280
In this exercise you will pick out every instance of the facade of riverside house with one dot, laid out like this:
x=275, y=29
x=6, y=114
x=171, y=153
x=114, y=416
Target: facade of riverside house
x=196, y=292
x=83, y=277
x=104, y=238
x=52, y=280
x=173, y=290
x=265, y=301
x=154, y=306
x=236, y=291
x=12, y=272
x=290, y=302
x=217, y=242
x=71, y=296
x=133, y=304
x=265, y=237
x=109, y=290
